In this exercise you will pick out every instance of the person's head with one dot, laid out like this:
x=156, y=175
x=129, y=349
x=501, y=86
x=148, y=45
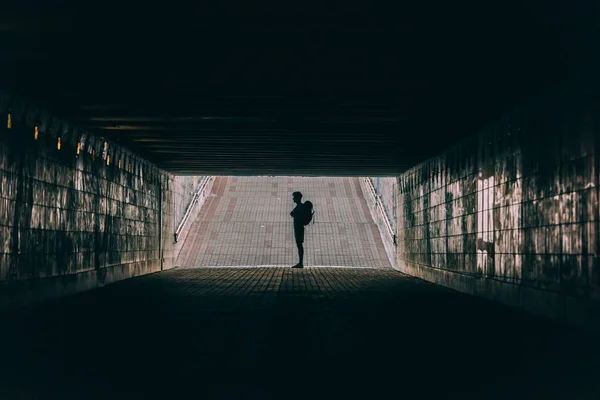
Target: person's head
x=297, y=197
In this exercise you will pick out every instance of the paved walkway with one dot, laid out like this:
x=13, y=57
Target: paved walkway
x=279, y=333
x=246, y=222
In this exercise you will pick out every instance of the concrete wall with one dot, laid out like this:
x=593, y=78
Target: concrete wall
x=386, y=189
x=184, y=187
x=70, y=222
x=182, y=192
x=512, y=214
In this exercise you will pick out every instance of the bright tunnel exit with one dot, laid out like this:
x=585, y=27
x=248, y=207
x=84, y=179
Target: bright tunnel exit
x=245, y=221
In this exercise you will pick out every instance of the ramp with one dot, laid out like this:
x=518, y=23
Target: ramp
x=246, y=222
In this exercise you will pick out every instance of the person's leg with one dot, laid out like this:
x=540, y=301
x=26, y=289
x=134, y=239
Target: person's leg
x=299, y=234
x=301, y=253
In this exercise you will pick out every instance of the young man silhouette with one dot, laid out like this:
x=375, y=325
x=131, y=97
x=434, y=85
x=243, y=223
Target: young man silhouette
x=299, y=215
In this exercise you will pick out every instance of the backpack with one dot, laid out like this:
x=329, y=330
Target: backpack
x=308, y=210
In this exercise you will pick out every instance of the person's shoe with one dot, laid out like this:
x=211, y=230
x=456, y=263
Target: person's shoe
x=298, y=266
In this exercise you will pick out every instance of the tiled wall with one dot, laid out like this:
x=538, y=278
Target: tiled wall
x=512, y=214
x=70, y=222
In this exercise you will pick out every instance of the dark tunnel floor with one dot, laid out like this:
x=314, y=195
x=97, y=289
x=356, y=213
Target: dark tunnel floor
x=281, y=333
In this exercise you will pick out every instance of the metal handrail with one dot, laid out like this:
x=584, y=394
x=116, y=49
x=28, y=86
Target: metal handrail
x=190, y=207
x=381, y=210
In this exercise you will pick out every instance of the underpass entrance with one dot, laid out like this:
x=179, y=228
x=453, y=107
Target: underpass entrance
x=246, y=222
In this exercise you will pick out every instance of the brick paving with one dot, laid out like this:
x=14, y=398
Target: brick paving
x=279, y=333
x=246, y=222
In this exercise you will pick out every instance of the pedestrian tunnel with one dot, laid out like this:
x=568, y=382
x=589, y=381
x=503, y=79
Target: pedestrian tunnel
x=510, y=215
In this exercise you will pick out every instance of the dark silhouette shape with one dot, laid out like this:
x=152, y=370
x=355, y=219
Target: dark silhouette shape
x=302, y=215
x=308, y=212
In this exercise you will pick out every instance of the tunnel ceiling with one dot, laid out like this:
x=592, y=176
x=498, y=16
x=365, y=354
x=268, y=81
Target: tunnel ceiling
x=358, y=92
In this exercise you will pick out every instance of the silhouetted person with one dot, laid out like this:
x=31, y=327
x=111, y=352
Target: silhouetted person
x=299, y=214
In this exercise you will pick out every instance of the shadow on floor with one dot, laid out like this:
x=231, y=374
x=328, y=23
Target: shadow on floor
x=259, y=333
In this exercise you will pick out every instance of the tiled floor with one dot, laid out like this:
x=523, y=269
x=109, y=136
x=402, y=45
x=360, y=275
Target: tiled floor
x=279, y=333
x=246, y=222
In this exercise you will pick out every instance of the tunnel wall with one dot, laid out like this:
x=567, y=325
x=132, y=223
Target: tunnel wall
x=193, y=215
x=512, y=214
x=184, y=187
x=387, y=189
x=71, y=222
